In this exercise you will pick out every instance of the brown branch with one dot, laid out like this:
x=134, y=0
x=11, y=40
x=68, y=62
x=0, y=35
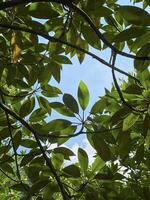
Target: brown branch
x=70, y=4
x=56, y=40
x=119, y=90
x=36, y=135
x=81, y=132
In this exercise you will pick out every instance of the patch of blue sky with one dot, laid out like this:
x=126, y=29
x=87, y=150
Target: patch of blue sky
x=93, y=73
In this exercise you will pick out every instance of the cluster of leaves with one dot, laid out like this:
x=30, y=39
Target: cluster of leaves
x=117, y=125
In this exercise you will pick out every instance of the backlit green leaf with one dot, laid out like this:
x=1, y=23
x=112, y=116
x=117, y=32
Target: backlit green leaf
x=129, y=121
x=83, y=95
x=57, y=125
x=83, y=159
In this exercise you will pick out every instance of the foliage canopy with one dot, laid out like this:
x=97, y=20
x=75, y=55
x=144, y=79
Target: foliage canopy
x=118, y=124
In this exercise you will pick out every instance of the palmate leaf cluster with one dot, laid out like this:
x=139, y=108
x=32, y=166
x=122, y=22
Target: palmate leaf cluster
x=118, y=124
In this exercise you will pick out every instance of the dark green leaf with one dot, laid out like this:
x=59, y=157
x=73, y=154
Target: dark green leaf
x=71, y=103
x=102, y=147
x=134, y=15
x=41, y=10
x=72, y=171
x=62, y=109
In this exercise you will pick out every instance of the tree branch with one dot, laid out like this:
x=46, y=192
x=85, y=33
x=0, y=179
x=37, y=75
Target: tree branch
x=81, y=132
x=36, y=135
x=56, y=40
x=12, y=140
x=70, y=4
x=119, y=90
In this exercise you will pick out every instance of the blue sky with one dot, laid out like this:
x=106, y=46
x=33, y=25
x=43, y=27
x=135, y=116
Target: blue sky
x=95, y=75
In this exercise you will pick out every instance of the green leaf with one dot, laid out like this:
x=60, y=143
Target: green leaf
x=91, y=37
x=143, y=51
x=17, y=139
x=146, y=124
x=101, y=147
x=57, y=160
x=50, y=91
x=7, y=168
x=99, y=11
x=44, y=104
x=83, y=95
x=61, y=59
x=37, y=115
x=45, y=74
x=124, y=141
x=72, y=171
x=129, y=34
x=71, y=103
x=41, y=10
x=27, y=107
x=57, y=125
x=129, y=121
x=28, y=143
x=65, y=151
x=4, y=133
x=20, y=187
x=62, y=109
x=37, y=186
x=134, y=15
x=99, y=106
x=97, y=165
x=83, y=159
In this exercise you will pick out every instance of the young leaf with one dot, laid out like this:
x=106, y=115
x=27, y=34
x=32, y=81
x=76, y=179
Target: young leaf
x=83, y=95
x=71, y=103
